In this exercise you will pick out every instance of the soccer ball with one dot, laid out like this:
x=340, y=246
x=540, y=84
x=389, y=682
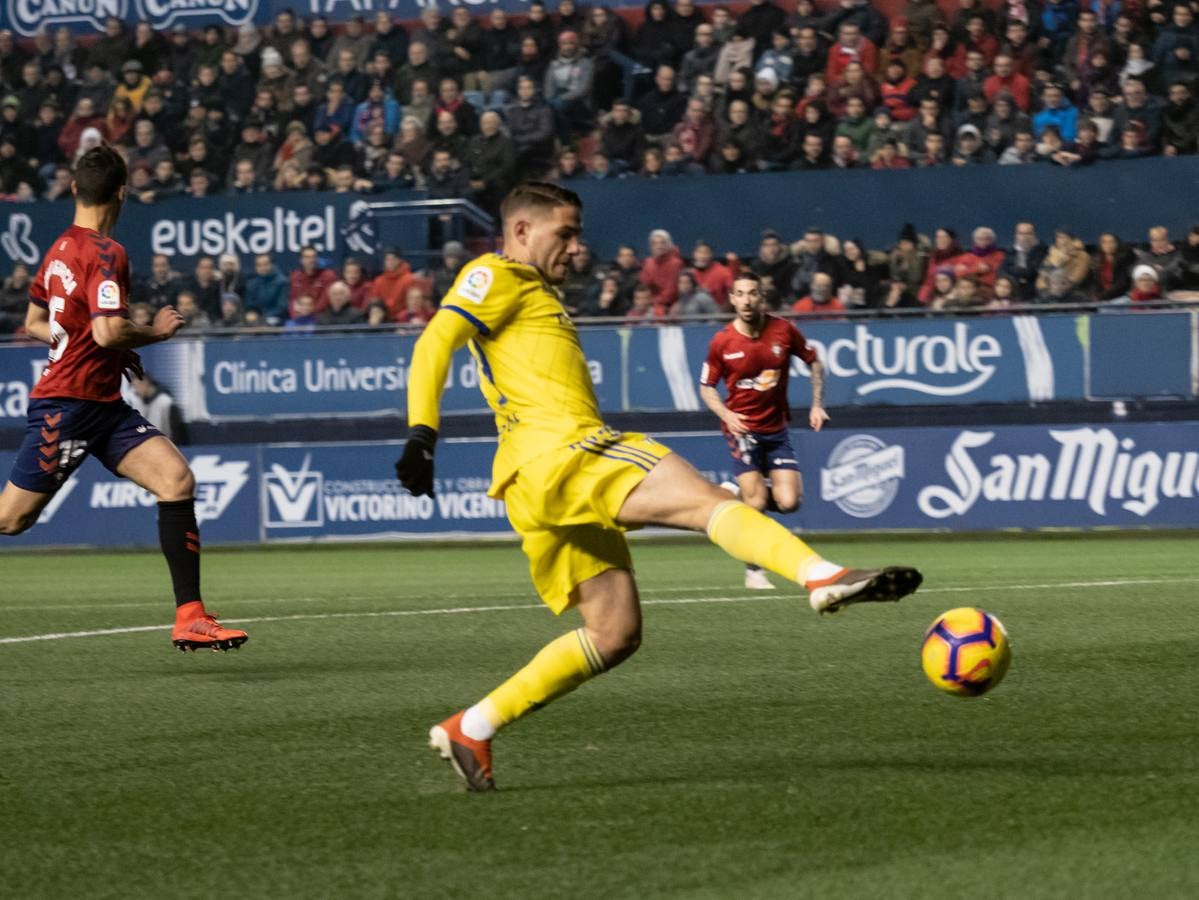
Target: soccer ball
x=966, y=652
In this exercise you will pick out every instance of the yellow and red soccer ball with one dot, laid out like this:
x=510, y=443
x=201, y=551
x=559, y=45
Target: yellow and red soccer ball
x=966, y=652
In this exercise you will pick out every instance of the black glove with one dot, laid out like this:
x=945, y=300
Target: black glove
x=414, y=468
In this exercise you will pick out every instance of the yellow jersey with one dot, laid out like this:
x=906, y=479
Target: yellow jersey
x=532, y=369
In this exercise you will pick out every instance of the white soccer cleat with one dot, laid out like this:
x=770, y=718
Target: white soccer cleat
x=756, y=580
x=862, y=586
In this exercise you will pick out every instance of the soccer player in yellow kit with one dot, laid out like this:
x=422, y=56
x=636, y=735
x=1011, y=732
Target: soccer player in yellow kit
x=572, y=485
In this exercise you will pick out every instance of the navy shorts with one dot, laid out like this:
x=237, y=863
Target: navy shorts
x=62, y=433
x=762, y=452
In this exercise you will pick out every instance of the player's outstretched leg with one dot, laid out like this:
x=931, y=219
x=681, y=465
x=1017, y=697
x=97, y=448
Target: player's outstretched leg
x=159, y=467
x=755, y=578
x=675, y=495
x=611, y=634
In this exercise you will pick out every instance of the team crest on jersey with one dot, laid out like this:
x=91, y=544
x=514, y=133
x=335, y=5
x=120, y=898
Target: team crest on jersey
x=475, y=284
x=777, y=349
x=108, y=296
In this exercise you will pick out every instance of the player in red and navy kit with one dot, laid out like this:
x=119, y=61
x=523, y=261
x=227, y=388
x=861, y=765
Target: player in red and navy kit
x=78, y=304
x=752, y=356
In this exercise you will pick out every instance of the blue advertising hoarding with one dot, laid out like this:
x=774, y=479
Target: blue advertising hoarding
x=1000, y=359
x=337, y=225
x=323, y=491
x=96, y=508
x=943, y=479
x=728, y=211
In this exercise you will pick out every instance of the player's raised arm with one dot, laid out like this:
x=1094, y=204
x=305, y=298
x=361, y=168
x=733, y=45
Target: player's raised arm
x=435, y=348
x=118, y=333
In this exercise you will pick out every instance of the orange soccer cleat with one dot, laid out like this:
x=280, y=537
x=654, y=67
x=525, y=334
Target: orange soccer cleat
x=471, y=759
x=862, y=586
x=197, y=629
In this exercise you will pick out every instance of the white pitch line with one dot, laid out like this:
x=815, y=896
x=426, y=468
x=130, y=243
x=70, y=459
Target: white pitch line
x=157, y=604
x=461, y=610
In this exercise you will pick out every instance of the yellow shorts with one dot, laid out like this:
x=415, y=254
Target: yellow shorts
x=564, y=504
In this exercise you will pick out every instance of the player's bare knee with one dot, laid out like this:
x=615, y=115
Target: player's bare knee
x=12, y=524
x=617, y=641
x=177, y=484
x=789, y=503
x=755, y=501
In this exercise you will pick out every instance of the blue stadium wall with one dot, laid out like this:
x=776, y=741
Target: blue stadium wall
x=730, y=211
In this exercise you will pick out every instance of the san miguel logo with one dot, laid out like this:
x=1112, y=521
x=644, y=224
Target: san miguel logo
x=28, y=17
x=862, y=475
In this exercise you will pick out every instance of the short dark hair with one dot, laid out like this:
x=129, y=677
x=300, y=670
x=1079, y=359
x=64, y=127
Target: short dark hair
x=541, y=195
x=99, y=176
x=747, y=275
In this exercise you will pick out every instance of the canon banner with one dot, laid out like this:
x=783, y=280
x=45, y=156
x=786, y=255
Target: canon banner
x=951, y=479
x=27, y=17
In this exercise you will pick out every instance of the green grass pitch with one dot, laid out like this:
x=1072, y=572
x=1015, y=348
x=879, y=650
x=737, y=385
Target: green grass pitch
x=751, y=748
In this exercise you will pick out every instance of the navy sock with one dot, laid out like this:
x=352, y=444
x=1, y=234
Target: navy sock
x=179, y=537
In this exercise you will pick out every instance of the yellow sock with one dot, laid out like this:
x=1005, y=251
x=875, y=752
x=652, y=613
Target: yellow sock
x=561, y=666
x=746, y=534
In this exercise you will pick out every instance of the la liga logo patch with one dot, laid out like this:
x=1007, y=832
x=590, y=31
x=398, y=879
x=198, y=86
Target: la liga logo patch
x=475, y=284
x=108, y=295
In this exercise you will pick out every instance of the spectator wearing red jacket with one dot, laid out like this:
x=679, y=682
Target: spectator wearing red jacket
x=661, y=270
x=644, y=310
x=84, y=117
x=710, y=274
x=1007, y=80
x=977, y=38
x=851, y=46
x=894, y=90
x=311, y=280
x=981, y=263
x=945, y=250
x=418, y=308
x=821, y=299
x=391, y=285
x=355, y=279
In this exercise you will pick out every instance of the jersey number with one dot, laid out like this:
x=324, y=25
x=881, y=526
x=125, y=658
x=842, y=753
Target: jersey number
x=58, y=335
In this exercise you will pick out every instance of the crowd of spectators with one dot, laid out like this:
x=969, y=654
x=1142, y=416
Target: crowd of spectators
x=816, y=274
x=462, y=106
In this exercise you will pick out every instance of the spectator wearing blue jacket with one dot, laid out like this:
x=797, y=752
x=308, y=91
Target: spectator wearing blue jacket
x=1058, y=20
x=338, y=109
x=380, y=106
x=266, y=290
x=1107, y=11
x=1057, y=111
x=778, y=57
x=1176, y=50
